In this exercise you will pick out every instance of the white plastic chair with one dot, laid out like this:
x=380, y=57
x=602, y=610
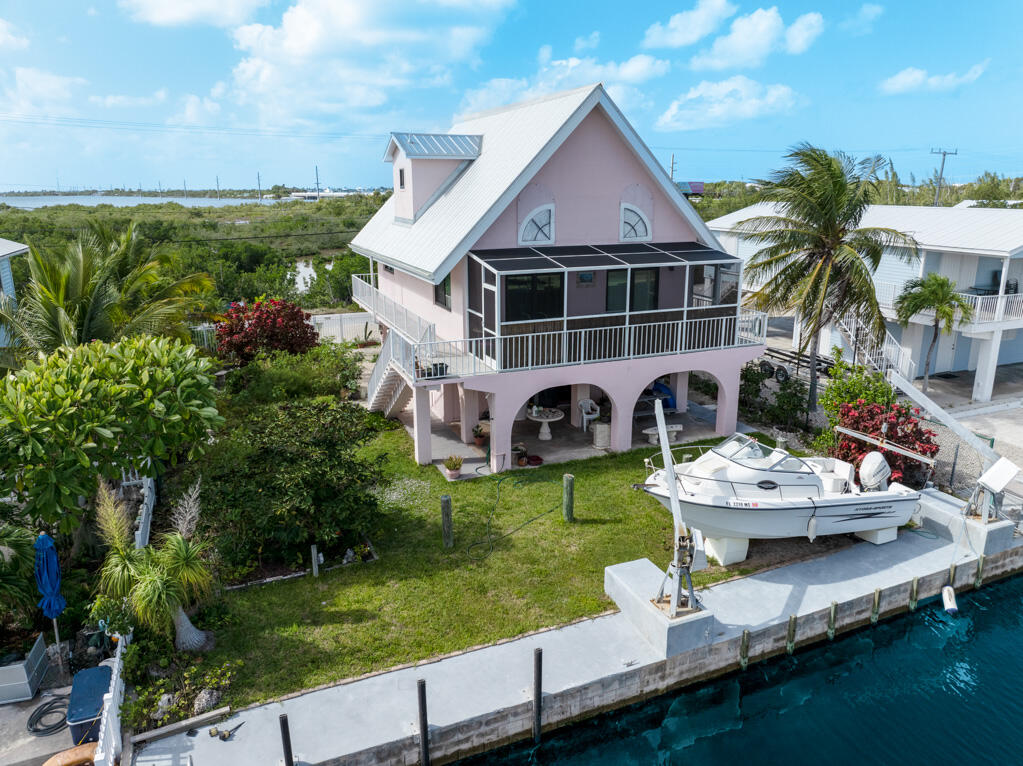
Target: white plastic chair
x=590, y=411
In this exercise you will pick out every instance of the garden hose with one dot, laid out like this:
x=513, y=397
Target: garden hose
x=489, y=541
x=55, y=706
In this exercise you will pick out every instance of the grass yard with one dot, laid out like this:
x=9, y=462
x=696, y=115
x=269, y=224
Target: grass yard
x=420, y=600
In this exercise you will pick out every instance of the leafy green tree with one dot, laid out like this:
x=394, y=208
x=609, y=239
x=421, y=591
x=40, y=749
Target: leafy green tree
x=933, y=293
x=101, y=286
x=815, y=258
x=93, y=410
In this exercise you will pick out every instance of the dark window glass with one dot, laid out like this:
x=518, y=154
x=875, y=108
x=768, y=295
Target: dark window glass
x=617, y=282
x=475, y=285
x=489, y=277
x=489, y=299
x=401, y=178
x=533, y=296
x=644, y=290
x=389, y=269
x=442, y=293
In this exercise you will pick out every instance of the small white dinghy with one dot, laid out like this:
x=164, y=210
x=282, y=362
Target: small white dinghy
x=741, y=490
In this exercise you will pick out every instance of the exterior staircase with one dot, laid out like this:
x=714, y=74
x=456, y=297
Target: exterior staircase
x=390, y=384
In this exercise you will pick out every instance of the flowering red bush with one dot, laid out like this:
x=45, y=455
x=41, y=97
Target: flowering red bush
x=904, y=429
x=264, y=326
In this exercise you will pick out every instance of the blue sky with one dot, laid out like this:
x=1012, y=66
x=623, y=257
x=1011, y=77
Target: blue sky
x=145, y=91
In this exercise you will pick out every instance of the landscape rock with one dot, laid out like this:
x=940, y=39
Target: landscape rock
x=163, y=706
x=350, y=557
x=206, y=701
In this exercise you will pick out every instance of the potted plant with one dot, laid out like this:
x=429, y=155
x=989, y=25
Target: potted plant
x=452, y=466
x=479, y=435
x=519, y=454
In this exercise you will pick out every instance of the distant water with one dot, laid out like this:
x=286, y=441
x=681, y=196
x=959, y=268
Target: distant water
x=55, y=199
x=918, y=690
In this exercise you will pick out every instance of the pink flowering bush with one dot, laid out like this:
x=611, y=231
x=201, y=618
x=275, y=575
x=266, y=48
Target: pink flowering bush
x=264, y=326
x=904, y=429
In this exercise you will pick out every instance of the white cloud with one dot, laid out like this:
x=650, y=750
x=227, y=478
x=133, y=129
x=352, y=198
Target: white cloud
x=621, y=79
x=328, y=57
x=157, y=97
x=912, y=78
x=591, y=41
x=687, y=27
x=753, y=37
x=862, y=22
x=804, y=30
x=168, y=13
x=196, y=110
x=712, y=104
x=35, y=91
x=10, y=40
x=91, y=11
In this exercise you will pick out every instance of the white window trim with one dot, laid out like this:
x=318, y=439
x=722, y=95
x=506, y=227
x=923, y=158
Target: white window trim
x=621, y=224
x=528, y=218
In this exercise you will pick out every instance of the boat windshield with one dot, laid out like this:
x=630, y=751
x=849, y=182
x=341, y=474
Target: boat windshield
x=751, y=454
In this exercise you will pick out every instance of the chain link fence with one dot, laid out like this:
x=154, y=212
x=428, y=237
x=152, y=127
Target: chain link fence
x=958, y=464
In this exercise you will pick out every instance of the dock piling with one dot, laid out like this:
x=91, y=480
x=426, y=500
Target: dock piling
x=875, y=610
x=980, y=572
x=568, y=497
x=446, y=524
x=832, y=619
x=537, y=692
x=952, y=574
x=790, y=640
x=289, y=759
x=913, y=588
x=744, y=650
x=424, y=727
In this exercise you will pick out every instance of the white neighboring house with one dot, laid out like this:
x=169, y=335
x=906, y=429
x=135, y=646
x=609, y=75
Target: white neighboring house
x=8, y=249
x=980, y=249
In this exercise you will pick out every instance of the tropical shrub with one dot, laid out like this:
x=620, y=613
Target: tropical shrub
x=287, y=476
x=93, y=410
x=328, y=369
x=17, y=561
x=853, y=383
x=903, y=428
x=266, y=325
x=788, y=408
x=751, y=400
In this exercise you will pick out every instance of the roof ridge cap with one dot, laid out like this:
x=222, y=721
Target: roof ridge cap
x=527, y=102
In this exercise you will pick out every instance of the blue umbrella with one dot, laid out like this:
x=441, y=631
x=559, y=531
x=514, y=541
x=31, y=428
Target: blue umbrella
x=48, y=580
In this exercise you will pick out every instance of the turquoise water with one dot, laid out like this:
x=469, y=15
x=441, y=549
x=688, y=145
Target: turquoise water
x=926, y=688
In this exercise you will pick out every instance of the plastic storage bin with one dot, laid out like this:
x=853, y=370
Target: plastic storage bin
x=85, y=704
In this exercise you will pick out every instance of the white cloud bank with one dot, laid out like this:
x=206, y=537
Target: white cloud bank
x=35, y=91
x=10, y=40
x=862, y=22
x=688, y=27
x=712, y=104
x=588, y=43
x=157, y=97
x=170, y=13
x=753, y=37
x=914, y=79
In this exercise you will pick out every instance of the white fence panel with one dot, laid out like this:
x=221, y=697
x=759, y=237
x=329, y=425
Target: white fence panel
x=346, y=328
x=108, y=747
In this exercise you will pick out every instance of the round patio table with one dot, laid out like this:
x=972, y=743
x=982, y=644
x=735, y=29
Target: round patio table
x=545, y=417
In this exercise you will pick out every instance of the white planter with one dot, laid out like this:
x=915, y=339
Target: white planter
x=20, y=681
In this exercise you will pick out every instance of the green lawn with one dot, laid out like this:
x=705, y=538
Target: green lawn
x=420, y=600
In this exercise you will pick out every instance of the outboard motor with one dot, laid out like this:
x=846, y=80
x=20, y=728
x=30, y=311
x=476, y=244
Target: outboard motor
x=874, y=473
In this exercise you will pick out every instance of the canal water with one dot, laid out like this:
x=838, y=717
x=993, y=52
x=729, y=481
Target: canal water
x=920, y=689
x=49, y=200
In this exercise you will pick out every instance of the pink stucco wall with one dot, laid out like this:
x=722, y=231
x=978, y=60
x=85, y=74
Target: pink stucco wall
x=417, y=296
x=588, y=177
x=422, y=179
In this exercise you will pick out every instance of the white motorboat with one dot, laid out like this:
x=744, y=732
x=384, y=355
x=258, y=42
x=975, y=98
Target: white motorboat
x=741, y=490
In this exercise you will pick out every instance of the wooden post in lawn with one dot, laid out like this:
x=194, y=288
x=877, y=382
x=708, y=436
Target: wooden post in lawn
x=568, y=497
x=446, y=524
x=316, y=561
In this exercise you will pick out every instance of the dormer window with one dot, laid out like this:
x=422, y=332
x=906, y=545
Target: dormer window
x=538, y=228
x=634, y=225
x=401, y=178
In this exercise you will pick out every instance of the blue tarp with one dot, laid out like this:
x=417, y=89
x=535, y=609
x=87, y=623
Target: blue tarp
x=48, y=577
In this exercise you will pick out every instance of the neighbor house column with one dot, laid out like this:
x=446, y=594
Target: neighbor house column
x=579, y=391
x=987, y=366
x=679, y=385
x=469, y=405
x=421, y=425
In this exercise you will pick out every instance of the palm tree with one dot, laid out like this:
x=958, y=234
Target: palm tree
x=158, y=582
x=101, y=286
x=936, y=293
x=816, y=260
x=17, y=559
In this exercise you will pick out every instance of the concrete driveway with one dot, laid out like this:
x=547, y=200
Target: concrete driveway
x=1006, y=426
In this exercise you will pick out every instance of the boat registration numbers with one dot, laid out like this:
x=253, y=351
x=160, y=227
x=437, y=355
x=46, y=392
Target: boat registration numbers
x=737, y=503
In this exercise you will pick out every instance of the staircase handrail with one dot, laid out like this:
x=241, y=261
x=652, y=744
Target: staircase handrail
x=398, y=318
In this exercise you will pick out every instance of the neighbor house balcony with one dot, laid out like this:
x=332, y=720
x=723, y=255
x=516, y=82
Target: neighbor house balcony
x=988, y=304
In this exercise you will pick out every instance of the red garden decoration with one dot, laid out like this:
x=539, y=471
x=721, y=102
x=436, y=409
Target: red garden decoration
x=264, y=326
x=904, y=429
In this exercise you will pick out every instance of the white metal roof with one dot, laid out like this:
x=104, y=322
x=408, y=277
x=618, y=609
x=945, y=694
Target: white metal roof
x=435, y=146
x=517, y=141
x=980, y=230
x=9, y=248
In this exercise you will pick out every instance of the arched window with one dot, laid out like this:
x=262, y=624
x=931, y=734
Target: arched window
x=538, y=228
x=634, y=225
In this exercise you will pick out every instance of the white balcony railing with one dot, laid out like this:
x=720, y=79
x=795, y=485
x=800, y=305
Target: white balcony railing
x=389, y=311
x=480, y=356
x=986, y=308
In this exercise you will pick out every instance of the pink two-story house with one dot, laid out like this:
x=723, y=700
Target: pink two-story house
x=541, y=246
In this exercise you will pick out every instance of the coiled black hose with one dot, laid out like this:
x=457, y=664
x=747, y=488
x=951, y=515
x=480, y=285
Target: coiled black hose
x=56, y=706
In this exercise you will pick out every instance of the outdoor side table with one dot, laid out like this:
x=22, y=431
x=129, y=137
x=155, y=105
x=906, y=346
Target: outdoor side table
x=545, y=417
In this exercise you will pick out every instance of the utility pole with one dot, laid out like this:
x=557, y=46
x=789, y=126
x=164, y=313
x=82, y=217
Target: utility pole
x=259, y=187
x=941, y=173
x=218, y=187
x=159, y=187
x=317, y=181
x=671, y=170
x=185, y=187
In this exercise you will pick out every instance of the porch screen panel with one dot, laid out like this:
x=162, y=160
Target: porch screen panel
x=644, y=289
x=533, y=296
x=489, y=301
x=617, y=285
x=728, y=276
x=475, y=285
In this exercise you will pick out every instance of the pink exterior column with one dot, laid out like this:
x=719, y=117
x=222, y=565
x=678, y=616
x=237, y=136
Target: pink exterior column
x=469, y=404
x=421, y=425
x=449, y=403
x=728, y=404
x=502, y=417
x=679, y=383
x=622, y=408
x=579, y=391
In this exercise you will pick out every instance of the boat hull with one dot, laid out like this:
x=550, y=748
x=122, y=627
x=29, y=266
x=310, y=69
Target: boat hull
x=764, y=519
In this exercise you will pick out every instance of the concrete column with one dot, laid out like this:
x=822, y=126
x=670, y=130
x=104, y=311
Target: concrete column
x=622, y=408
x=469, y=406
x=421, y=425
x=449, y=403
x=502, y=417
x=728, y=404
x=679, y=383
x=987, y=365
x=579, y=391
